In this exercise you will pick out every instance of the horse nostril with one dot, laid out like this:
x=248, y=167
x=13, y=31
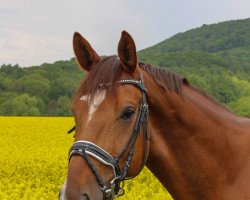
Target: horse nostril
x=85, y=197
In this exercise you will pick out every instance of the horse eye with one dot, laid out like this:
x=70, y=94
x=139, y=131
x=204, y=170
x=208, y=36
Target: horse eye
x=127, y=113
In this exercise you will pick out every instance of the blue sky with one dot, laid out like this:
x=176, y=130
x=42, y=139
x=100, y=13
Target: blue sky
x=33, y=32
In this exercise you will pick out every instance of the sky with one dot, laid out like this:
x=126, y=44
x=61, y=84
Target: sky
x=33, y=32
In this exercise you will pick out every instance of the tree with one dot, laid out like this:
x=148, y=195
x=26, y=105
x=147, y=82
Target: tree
x=63, y=106
x=241, y=106
x=6, y=96
x=63, y=86
x=21, y=105
x=4, y=83
x=34, y=85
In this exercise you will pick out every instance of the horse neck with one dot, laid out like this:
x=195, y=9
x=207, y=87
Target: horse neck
x=193, y=149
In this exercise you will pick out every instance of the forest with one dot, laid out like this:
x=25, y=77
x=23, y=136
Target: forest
x=215, y=58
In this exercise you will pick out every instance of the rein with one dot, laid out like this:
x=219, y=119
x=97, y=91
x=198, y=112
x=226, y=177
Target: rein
x=87, y=149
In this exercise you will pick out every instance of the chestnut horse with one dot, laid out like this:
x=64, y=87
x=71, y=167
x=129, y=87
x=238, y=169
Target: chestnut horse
x=131, y=114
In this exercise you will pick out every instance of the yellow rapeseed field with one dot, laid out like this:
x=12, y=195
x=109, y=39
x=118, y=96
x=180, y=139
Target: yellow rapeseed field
x=33, y=161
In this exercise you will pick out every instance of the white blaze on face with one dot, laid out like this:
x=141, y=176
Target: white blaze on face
x=98, y=98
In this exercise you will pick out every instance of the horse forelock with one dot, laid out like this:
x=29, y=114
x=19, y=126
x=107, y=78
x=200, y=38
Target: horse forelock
x=108, y=72
x=104, y=75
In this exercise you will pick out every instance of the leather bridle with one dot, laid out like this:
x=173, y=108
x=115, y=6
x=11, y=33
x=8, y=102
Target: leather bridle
x=87, y=149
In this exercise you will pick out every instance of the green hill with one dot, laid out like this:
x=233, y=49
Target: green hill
x=227, y=40
x=214, y=57
x=208, y=38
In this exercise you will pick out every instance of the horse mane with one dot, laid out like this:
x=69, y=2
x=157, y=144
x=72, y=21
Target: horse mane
x=107, y=73
x=172, y=82
x=168, y=80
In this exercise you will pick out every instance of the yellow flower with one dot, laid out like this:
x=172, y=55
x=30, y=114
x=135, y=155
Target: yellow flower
x=34, y=158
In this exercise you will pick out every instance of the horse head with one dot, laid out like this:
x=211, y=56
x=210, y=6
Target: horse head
x=111, y=117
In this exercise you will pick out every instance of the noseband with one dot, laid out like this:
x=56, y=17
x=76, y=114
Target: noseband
x=87, y=149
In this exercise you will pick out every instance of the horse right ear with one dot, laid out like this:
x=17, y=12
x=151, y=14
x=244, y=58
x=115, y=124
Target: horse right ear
x=127, y=52
x=85, y=54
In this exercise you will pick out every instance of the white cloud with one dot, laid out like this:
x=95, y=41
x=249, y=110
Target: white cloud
x=33, y=32
x=32, y=48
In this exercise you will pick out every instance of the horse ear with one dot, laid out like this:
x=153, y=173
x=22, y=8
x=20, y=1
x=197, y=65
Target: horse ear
x=85, y=54
x=127, y=52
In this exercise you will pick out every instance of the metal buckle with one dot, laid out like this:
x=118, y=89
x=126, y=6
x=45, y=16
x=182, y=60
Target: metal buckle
x=111, y=191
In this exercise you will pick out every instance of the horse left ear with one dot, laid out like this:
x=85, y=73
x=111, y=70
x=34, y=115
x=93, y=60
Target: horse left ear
x=127, y=52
